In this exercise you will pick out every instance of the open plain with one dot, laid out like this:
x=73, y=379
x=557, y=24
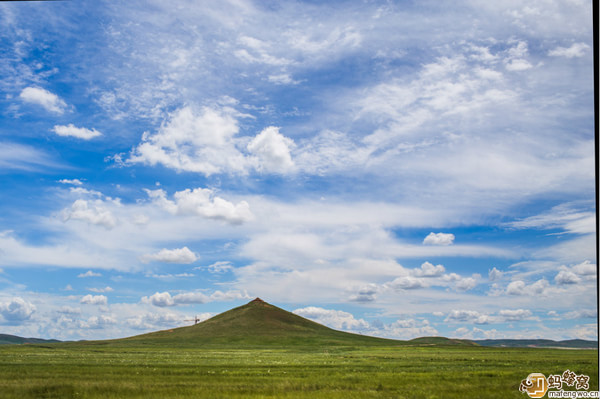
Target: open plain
x=261, y=351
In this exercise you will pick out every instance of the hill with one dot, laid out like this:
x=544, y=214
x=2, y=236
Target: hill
x=6, y=339
x=539, y=343
x=256, y=324
x=429, y=341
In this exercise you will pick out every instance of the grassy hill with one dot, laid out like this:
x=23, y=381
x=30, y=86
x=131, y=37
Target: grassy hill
x=6, y=339
x=256, y=324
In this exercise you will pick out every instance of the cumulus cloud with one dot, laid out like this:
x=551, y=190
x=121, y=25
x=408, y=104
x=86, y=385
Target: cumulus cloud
x=429, y=270
x=465, y=284
x=566, y=277
x=519, y=287
x=194, y=140
x=77, y=132
x=177, y=255
x=49, y=101
x=93, y=212
x=159, y=299
x=406, y=283
x=585, y=268
x=272, y=151
x=202, y=202
x=206, y=141
x=16, y=310
x=337, y=319
x=94, y=300
x=439, y=239
x=575, y=50
x=468, y=316
x=164, y=299
x=494, y=274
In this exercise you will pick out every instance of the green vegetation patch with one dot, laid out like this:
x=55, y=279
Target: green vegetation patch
x=88, y=371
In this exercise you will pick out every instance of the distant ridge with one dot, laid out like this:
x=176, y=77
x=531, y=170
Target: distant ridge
x=539, y=343
x=6, y=339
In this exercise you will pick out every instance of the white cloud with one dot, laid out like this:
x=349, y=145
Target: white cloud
x=89, y=273
x=514, y=314
x=519, y=287
x=494, y=274
x=406, y=283
x=14, y=156
x=566, y=277
x=429, y=270
x=567, y=217
x=69, y=310
x=101, y=290
x=282, y=79
x=163, y=299
x=366, y=293
x=94, y=300
x=16, y=310
x=439, y=239
x=272, y=150
x=92, y=212
x=206, y=141
x=585, y=268
x=50, y=101
x=581, y=313
x=196, y=141
x=78, y=132
x=518, y=65
x=468, y=316
x=202, y=202
x=465, y=284
x=177, y=255
x=336, y=319
x=230, y=295
x=98, y=322
x=190, y=298
x=218, y=267
x=74, y=182
x=160, y=299
x=160, y=319
x=575, y=50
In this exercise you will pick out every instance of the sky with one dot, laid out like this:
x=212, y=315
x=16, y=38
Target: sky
x=391, y=168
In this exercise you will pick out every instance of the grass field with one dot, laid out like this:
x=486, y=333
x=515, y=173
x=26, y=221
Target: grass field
x=105, y=371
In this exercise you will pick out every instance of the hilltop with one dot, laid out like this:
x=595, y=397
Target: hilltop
x=256, y=324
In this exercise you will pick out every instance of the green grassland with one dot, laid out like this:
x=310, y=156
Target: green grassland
x=260, y=351
x=87, y=371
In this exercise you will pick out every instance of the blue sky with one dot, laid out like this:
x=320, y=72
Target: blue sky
x=399, y=169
